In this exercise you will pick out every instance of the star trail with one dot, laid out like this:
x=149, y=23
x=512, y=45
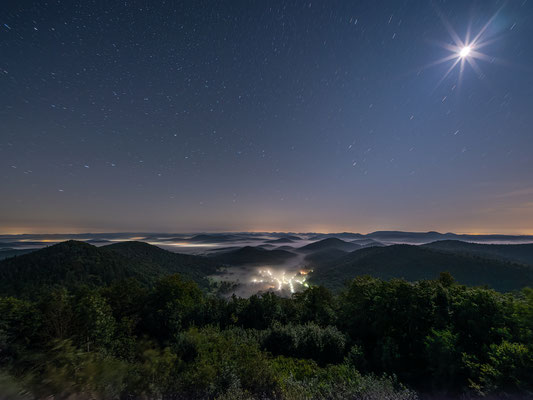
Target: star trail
x=266, y=116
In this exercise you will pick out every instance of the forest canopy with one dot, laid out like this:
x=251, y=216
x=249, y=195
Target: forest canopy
x=375, y=339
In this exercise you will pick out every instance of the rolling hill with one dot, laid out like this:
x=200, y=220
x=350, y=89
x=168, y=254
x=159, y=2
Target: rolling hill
x=415, y=263
x=328, y=244
x=189, y=266
x=72, y=263
x=288, y=248
x=427, y=237
x=520, y=253
x=281, y=240
x=367, y=242
x=322, y=257
x=253, y=256
x=8, y=253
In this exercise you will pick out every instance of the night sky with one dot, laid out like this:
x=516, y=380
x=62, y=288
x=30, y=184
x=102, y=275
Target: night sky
x=265, y=116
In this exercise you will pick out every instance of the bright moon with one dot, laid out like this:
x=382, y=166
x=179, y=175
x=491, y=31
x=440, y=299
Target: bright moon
x=465, y=51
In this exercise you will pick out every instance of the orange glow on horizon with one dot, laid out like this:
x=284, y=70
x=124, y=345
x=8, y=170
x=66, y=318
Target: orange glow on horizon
x=315, y=229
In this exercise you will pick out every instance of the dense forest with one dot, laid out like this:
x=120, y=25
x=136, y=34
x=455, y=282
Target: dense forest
x=424, y=262
x=104, y=330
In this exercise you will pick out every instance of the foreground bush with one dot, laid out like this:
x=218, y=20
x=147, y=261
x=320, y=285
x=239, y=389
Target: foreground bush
x=171, y=341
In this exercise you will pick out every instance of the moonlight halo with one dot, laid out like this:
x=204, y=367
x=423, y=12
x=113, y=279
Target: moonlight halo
x=465, y=50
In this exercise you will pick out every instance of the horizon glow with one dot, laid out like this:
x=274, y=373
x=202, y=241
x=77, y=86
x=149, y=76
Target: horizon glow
x=193, y=124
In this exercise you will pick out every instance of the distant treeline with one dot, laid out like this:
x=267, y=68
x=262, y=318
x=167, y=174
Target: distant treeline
x=169, y=340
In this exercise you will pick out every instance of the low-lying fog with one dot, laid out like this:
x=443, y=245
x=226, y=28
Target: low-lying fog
x=287, y=278
x=244, y=279
x=247, y=279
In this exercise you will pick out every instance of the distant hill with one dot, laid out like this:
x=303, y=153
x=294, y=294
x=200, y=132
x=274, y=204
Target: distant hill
x=414, y=263
x=254, y=256
x=521, y=253
x=68, y=263
x=280, y=240
x=413, y=237
x=341, y=235
x=322, y=257
x=328, y=244
x=346, y=235
x=317, y=236
x=8, y=253
x=367, y=242
x=191, y=267
x=98, y=241
x=220, y=250
x=288, y=248
x=426, y=237
x=205, y=238
x=15, y=245
x=287, y=236
x=72, y=263
x=221, y=238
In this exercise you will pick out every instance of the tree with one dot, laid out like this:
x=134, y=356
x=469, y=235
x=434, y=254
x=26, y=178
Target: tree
x=94, y=320
x=443, y=358
x=172, y=306
x=510, y=367
x=316, y=304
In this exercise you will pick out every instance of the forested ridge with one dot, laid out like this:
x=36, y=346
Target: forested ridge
x=127, y=337
x=423, y=262
x=72, y=263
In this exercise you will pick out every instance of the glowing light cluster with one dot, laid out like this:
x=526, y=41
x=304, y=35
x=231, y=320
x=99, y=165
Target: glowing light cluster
x=281, y=280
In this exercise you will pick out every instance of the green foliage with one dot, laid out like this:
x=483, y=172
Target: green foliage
x=443, y=358
x=249, y=255
x=224, y=361
x=169, y=341
x=294, y=368
x=172, y=306
x=13, y=389
x=507, y=365
x=150, y=257
x=434, y=334
x=512, y=365
x=310, y=341
x=57, y=310
x=339, y=382
x=317, y=305
x=414, y=263
x=520, y=253
x=71, y=264
x=356, y=358
x=95, y=324
x=68, y=264
x=66, y=371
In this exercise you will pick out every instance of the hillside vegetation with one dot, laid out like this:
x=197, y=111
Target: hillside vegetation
x=414, y=263
x=77, y=321
x=520, y=253
x=254, y=256
x=329, y=244
x=170, y=341
x=73, y=263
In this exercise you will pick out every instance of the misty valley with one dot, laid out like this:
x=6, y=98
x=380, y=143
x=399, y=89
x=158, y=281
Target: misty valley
x=292, y=316
x=266, y=200
x=248, y=263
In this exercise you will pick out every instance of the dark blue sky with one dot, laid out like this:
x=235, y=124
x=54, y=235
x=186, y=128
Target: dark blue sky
x=264, y=115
